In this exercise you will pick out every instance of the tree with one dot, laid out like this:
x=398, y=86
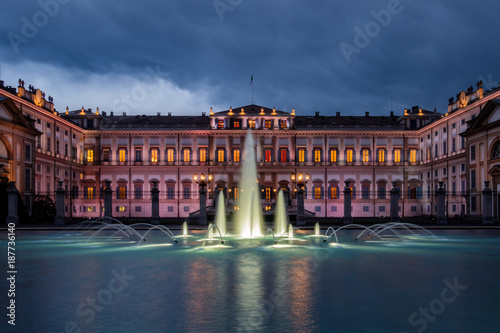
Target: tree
x=44, y=210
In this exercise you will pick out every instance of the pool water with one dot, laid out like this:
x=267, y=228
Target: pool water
x=75, y=281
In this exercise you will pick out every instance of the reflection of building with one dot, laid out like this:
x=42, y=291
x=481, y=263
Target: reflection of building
x=85, y=148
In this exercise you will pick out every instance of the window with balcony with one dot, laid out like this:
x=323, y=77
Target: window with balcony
x=138, y=192
x=236, y=124
x=397, y=155
x=138, y=155
x=365, y=190
x=122, y=155
x=186, y=155
x=105, y=155
x=317, y=192
x=366, y=155
x=170, y=155
x=268, y=193
x=349, y=155
x=381, y=155
x=221, y=155
x=236, y=155
x=283, y=124
x=121, y=193
x=203, y=155
x=283, y=155
x=268, y=155
x=90, y=192
x=333, y=155
x=334, y=192
x=317, y=155
x=154, y=155
x=413, y=155
x=269, y=123
x=251, y=124
x=90, y=155
x=301, y=155
x=220, y=123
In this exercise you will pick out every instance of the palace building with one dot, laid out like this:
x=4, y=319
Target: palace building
x=413, y=151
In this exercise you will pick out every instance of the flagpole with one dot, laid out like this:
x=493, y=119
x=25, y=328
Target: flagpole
x=251, y=83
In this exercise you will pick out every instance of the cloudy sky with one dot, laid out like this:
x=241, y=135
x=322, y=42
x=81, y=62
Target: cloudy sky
x=186, y=56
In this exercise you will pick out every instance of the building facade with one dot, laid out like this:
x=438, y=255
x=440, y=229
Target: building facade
x=369, y=154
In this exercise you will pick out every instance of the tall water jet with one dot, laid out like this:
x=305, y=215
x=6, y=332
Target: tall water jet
x=290, y=231
x=281, y=216
x=316, y=229
x=184, y=229
x=249, y=217
x=220, y=214
x=210, y=234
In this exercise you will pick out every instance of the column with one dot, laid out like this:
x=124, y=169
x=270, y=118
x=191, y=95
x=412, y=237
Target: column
x=394, y=203
x=12, y=196
x=347, y=204
x=108, y=195
x=155, y=204
x=441, y=204
x=487, y=204
x=60, y=192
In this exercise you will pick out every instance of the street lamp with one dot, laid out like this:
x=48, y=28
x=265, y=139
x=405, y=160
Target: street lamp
x=202, y=181
x=300, y=180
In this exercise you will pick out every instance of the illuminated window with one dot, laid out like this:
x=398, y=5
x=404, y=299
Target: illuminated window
x=90, y=155
x=269, y=124
x=413, y=155
x=90, y=193
x=397, y=155
x=283, y=155
x=428, y=153
x=121, y=209
x=121, y=155
x=283, y=123
x=366, y=155
x=154, y=155
x=268, y=193
x=220, y=155
x=251, y=124
x=90, y=208
x=203, y=155
x=381, y=155
x=333, y=192
x=317, y=155
x=236, y=155
x=220, y=123
x=186, y=155
x=236, y=124
x=302, y=155
x=122, y=192
x=349, y=155
x=236, y=192
x=333, y=155
x=267, y=155
x=170, y=154
x=317, y=193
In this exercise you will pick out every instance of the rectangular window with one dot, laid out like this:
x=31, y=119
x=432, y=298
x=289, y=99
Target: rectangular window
x=453, y=145
x=453, y=189
x=236, y=124
x=138, y=192
x=268, y=193
x=66, y=149
x=267, y=155
x=473, y=204
x=269, y=124
x=317, y=155
x=397, y=155
x=28, y=153
x=220, y=155
x=302, y=155
x=236, y=155
x=48, y=143
x=472, y=153
x=381, y=192
x=365, y=192
x=138, y=155
x=413, y=155
x=138, y=209
x=366, y=155
x=203, y=155
x=436, y=153
x=220, y=123
x=283, y=155
x=251, y=124
x=90, y=155
x=366, y=209
x=186, y=155
x=333, y=155
x=317, y=193
x=473, y=179
x=170, y=155
x=445, y=148
x=236, y=192
x=122, y=155
x=283, y=124
x=349, y=155
x=186, y=193
x=57, y=146
x=27, y=179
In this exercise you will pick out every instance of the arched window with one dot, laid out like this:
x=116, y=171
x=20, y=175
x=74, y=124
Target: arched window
x=496, y=151
x=4, y=153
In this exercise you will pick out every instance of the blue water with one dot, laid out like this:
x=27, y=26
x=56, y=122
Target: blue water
x=68, y=283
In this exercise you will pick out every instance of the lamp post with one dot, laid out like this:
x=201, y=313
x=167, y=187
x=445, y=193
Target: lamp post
x=300, y=180
x=202, y=181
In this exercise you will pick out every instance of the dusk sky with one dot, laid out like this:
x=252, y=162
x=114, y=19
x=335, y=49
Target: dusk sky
x=144, y=57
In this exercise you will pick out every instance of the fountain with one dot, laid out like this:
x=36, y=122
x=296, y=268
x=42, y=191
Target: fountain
x=220, y=214
x=249, y=220
x=316, y=229
x=281, y=216
x=185, y=229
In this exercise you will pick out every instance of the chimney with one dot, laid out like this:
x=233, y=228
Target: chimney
x=104, y=113
x=414, y=109
x=367, y=114
x=170, y=113
x=158, y=113
x=1, y=83
x=203, y=114
x=392, y=113
x=124, y=113
x=111, y=113
x=317, y=113
x=338, y=114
